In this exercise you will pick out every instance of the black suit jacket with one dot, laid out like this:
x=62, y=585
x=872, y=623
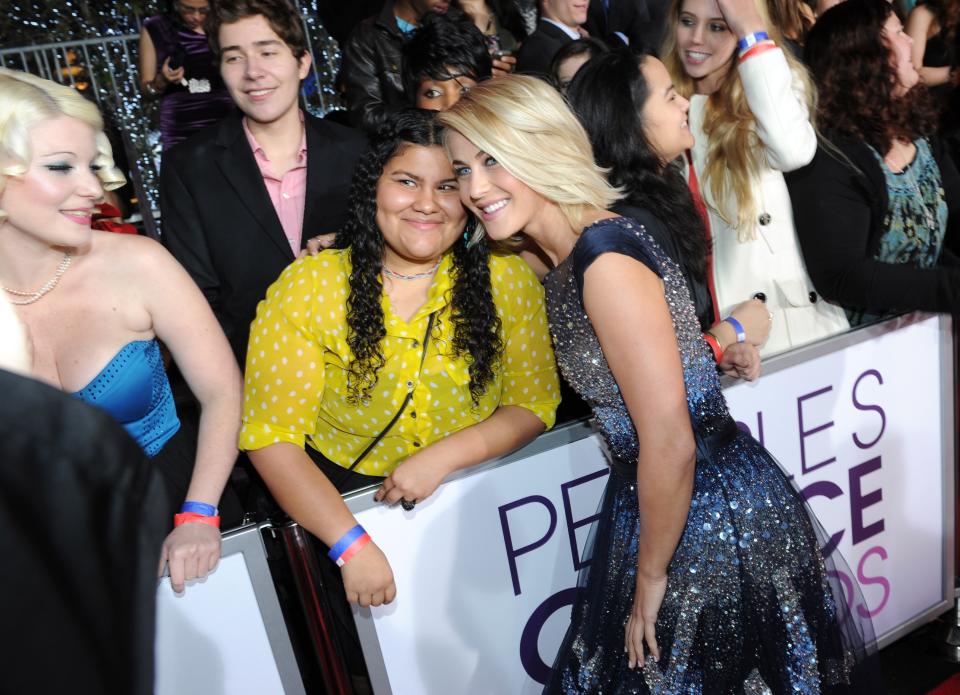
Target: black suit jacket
x=627, y=17
x=537, y=51
x=219, y=222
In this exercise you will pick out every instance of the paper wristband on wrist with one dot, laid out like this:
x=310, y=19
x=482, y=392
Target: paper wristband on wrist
x=751, y=40
x=349, y=545
x=714, y=346
x=738, y=329
x=757, y=50
x=199, y=508
x=191, y=517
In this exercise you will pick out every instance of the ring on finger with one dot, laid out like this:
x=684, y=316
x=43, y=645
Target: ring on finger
x=407, y=505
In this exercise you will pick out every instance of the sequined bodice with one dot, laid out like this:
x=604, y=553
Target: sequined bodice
x=133, y=388
x=581, y=359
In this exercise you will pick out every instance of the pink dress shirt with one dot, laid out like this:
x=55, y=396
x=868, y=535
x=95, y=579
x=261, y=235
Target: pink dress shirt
x=288, y=192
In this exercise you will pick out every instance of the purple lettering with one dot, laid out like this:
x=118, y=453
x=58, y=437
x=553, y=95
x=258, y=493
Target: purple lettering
x=860, y=501
x=572, y=525
x=807, y=433
x=861, y=406
x=530, y=657
x=513, y=554
x=865, y=580
x=746, y=428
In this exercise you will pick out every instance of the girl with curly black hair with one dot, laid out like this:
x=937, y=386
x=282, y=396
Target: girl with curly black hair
x=408, y=353
x=873, y=206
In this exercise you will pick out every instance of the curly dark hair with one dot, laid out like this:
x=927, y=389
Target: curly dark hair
x=851, y=64
x=476, y=325
x=607, y=95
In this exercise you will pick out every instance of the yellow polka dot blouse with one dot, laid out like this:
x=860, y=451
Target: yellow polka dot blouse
x=295, y=386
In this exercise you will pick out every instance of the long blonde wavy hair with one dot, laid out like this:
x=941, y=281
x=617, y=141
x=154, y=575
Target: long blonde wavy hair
x=25, y=100
x=735, y=154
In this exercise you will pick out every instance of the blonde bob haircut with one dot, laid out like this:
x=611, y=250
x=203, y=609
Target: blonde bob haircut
x=25, y=100
x=525, y=125
x=735, y=154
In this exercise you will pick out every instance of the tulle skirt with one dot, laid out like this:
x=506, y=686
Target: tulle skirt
x=751, y=605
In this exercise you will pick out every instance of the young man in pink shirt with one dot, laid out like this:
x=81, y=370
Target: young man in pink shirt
x=240, y=199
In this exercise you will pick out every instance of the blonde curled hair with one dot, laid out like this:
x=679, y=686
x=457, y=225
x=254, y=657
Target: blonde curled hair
x=735, y=153
x=525, y=125
x=25, y=100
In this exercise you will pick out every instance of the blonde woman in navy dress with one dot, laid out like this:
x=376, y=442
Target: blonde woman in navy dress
x=706, y=573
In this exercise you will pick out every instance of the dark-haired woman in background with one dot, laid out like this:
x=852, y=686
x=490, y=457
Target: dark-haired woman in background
x=410, y=354
x=571, y=57
x=178, y=68
x=872, y=208
x=502, y=26
x=445, y=58
x=637, y=126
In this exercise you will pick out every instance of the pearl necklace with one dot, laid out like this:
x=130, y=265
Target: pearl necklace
x=31, y=297
x=416, y=276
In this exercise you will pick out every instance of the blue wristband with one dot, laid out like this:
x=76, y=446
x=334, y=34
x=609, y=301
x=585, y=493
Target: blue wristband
x=191, y=507
x=346, y=540
x=752, y=40
x=738, y=328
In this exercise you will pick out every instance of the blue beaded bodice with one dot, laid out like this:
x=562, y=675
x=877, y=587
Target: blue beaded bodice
x=578, y=351
x=133, y=388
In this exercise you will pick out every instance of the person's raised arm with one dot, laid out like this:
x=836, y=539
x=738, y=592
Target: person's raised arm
x=918, y=28
x=625, y=303
x=182, y=320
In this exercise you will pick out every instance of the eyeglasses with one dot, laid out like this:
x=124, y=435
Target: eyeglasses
x=202, y=11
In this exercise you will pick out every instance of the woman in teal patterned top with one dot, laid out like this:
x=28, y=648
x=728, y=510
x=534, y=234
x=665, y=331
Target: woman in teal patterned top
x=873, y=208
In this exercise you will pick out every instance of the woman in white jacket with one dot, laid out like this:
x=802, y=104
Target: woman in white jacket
x=750, y=114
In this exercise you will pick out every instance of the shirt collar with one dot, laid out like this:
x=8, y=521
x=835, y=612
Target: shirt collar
x=572, y=33
x=258, y=150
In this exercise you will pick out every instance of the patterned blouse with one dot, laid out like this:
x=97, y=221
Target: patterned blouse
x=296, y=375
x=916, y=217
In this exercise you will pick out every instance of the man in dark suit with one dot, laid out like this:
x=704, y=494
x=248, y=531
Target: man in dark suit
x=623, y=19
x=559, y=24
x=240, y=199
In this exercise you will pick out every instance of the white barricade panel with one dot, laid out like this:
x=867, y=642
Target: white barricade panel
x=486, y=568
x=861, y=432
x=221, y=636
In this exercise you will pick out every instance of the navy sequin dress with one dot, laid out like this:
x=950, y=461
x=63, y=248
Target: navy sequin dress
x=750, y=606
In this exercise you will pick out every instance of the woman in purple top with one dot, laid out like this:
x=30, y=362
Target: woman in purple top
x=178, y=67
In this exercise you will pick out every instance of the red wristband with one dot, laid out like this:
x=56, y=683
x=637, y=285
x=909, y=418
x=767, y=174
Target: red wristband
x=714, y=346
x=757, y=49
x=192, y=517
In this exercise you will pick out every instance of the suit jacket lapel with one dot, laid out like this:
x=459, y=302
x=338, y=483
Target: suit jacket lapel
x=240, y=170
x=316, y=181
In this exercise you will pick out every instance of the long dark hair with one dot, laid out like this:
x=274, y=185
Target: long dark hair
x=607, y=95
x=476, y=326
x=851, y=65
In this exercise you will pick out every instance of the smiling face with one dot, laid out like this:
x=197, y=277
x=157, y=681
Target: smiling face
x=440, y=95
x=664, y=114
x=505, y=204
x=705, y=44
x=53, y=201
x=259, y=69
x=901, y=48
x=418, y=207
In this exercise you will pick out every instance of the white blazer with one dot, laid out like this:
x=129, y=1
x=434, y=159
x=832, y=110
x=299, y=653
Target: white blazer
x=771, y=263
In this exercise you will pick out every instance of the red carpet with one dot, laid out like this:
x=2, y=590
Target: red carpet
x=948, y=687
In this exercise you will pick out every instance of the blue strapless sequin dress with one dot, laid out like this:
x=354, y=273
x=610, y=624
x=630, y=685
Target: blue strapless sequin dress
x=750, y=604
